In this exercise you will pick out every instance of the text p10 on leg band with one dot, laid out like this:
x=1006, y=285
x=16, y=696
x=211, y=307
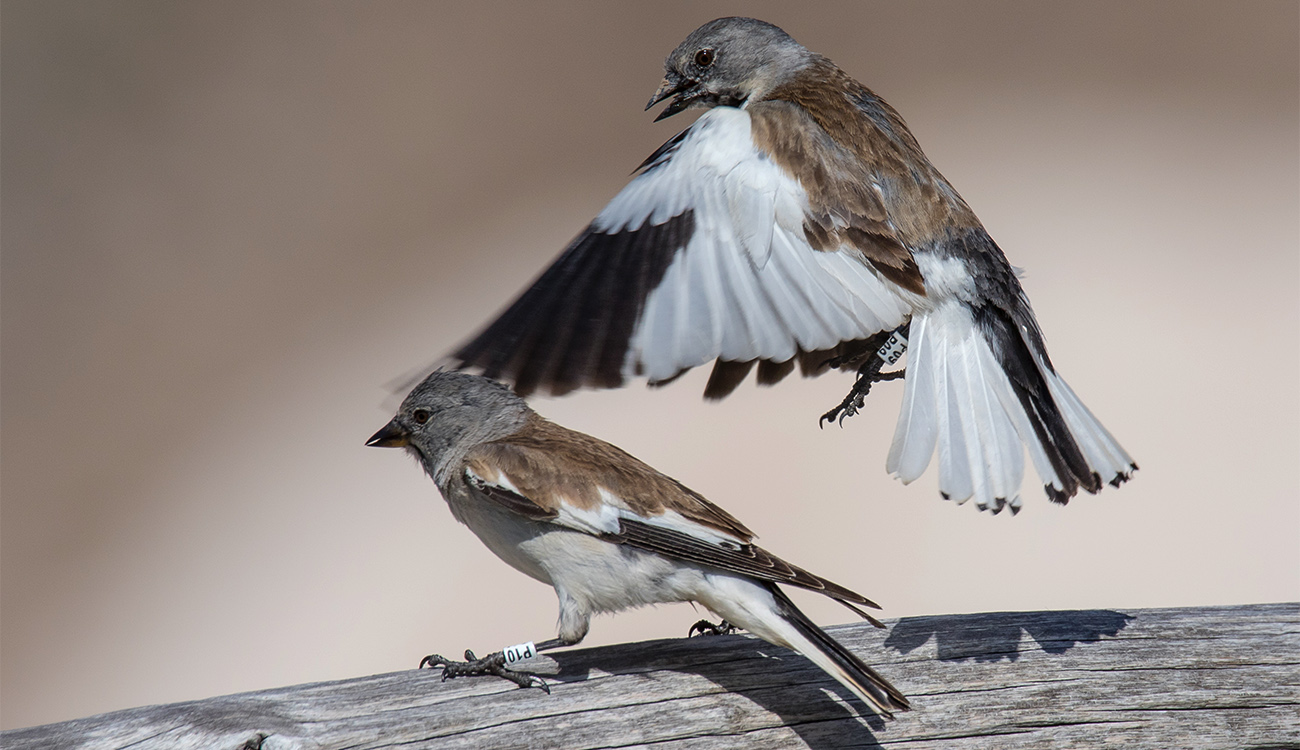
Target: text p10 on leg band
x=519, y=652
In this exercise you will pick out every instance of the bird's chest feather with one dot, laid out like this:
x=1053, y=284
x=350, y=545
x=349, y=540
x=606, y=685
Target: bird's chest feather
x=507, y=534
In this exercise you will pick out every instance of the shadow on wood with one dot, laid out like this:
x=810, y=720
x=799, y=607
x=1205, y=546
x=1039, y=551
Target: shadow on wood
x=1220, y=677
x=996, y=635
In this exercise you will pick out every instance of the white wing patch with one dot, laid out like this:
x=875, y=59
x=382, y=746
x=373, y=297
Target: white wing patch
x=605, y=516
x=500, y=480
x=747, y=285
x=602, y=519
x=674, y=521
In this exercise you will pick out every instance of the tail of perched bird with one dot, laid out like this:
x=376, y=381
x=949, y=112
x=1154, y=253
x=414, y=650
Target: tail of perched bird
x=980, y=388
x=784, y=624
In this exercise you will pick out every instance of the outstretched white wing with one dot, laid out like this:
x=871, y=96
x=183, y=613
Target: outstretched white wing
x=702, y=256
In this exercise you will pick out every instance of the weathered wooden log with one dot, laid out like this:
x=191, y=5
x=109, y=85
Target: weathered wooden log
x=1213, y=677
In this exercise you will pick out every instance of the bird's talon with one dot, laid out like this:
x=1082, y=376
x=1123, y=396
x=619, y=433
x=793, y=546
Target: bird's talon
x=856, y=400
x=492, y=664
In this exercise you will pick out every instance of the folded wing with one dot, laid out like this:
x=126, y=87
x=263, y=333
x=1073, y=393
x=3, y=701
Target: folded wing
x=554, y=475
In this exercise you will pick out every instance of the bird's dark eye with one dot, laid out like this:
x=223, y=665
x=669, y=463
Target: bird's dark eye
x=704, y=58
x=421, y=416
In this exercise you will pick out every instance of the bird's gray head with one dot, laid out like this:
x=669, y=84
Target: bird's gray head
x=447, y=415
x=728, y=62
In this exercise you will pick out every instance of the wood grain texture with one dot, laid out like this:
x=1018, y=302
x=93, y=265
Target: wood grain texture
x=1214, y=677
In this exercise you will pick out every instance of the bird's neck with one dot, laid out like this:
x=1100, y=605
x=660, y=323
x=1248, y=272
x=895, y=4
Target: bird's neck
x=849, y=112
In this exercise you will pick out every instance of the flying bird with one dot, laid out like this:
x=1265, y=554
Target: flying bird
x=797, y=221
x=606, y=530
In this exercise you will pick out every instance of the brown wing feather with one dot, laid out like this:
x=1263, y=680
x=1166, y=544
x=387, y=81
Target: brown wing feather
x=745, y=559
x=844, y=207
x=869, y=184
x=727, y=376
x=550, y=464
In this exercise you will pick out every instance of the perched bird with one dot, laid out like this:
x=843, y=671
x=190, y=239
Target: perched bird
x=798, y=221
x=606, y=530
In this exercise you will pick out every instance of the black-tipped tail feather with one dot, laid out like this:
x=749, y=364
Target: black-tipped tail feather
x=1030, y=386
x=980, y=389
x=885, y=697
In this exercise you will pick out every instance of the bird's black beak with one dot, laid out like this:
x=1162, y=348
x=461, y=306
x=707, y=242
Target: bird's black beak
x=392, y=435
x=673, y=85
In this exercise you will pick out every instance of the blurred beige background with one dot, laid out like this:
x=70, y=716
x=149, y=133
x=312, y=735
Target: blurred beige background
x=227, y=226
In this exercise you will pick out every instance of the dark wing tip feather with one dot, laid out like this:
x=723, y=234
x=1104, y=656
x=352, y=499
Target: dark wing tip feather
x=725, y=378
x=864, y=615
x=661, y=382
x=771, y=373
x=662, y=154
x=572, y=327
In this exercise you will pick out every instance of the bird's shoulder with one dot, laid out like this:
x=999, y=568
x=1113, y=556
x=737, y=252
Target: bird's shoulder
x=854, y=152
x=817, y=137
x=851, y=114
x=563, y=471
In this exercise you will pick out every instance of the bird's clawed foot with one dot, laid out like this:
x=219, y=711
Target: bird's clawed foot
x=853, y=402
x=493, y=664
x=704, y=627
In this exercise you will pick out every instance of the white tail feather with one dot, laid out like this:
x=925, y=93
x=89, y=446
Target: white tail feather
x=1103, y=452
x=955, y=481
x=958, y=399
x=991, y=437
x=918, y=425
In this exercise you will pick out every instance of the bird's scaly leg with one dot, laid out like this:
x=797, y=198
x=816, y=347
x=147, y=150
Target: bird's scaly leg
x=704, y=627
x=492, y=664
x=868, y=375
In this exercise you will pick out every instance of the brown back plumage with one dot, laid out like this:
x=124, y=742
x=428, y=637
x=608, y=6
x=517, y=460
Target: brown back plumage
x=551, y=464
x=922, y=205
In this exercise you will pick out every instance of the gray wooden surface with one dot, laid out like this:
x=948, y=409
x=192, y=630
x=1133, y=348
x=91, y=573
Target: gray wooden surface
x=1217, y=677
